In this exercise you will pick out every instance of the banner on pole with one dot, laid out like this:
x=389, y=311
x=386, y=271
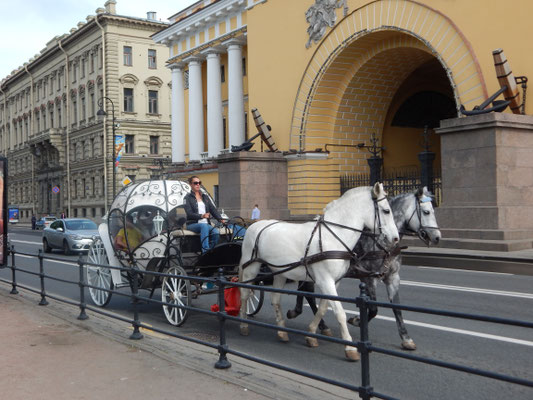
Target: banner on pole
x=119, y=148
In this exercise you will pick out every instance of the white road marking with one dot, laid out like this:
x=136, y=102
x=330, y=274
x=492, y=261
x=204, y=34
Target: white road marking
x=48, y=260
x=453, y=330
x=466, y=270
x=26, y=242
x=468, y=289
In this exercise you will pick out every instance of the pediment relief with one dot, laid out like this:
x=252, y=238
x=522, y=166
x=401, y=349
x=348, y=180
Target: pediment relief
x=129, y=78
x=153, y=81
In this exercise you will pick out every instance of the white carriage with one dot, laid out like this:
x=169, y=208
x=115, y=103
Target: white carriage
x=144, y=230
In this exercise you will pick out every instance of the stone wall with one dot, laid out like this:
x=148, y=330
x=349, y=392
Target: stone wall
x=487, y=179
x=249, y=178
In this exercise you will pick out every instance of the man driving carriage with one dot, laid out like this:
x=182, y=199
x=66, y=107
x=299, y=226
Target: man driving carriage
x=200, y=209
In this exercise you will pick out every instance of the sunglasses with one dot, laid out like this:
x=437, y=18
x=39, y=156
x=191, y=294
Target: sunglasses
x=197, y=183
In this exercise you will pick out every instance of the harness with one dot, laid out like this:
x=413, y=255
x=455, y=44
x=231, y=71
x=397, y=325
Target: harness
x=306, y=260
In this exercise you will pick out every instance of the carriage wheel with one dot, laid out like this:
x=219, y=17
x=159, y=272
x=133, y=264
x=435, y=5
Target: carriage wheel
x=255, y=301
x=176, y=291
x=99, y=276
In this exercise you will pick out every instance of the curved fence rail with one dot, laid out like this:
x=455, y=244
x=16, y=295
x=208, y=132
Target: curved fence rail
x=364, y=345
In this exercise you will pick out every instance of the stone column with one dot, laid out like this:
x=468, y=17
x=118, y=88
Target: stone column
x=215, y=131
x=235, y=94
x=196, y=110
x=487, y=182
x=177, y=114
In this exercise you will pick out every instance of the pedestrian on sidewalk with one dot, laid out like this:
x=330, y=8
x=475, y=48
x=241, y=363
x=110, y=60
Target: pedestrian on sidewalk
x=33, y=222
x=256, y=213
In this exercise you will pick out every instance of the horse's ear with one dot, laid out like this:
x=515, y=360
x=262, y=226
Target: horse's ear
x=420, y=191
x=376, y=190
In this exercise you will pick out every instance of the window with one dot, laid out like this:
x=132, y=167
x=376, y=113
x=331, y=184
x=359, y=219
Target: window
x=152, y=101
x=129, y=144
x=82, y=68
x=91, y=62
x=38, y=121
x=74, y=111
x=93, y=108
x=93, y=188
x=83, y=109
x=154, y=144
x=222, y=74
x=75, y=188
x=51, y=117
x=128, y=100
x=224, y=129
x=128, y=59
x=59, y=116
x=74, y=67
x=84, y=212
x=75, y=213
x=92, y=154
x=83, y=188
x=152, y=64
x=244, y=66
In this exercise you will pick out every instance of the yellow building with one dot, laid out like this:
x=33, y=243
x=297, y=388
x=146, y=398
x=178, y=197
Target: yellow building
x=334, y=72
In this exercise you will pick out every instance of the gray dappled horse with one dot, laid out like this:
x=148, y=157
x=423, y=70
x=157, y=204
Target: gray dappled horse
x=413, y=215
x=318, y=251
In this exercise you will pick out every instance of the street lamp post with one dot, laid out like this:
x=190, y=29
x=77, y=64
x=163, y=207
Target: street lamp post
x=102, y=113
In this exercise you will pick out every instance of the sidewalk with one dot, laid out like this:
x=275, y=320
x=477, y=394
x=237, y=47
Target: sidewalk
x=48, y=354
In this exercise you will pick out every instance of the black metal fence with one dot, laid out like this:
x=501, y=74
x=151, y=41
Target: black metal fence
x=364, y=345
x=395, y=182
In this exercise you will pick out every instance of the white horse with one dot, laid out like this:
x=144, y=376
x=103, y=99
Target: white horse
x=285, y=247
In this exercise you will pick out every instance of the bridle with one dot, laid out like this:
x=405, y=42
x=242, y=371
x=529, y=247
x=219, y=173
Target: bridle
x=422, y=229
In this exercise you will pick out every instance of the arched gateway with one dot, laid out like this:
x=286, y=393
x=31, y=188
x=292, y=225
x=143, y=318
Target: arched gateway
x=376, y=64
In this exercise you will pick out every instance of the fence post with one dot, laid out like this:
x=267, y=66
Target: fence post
x=83, y=316
x=136, y=335
x=43, y=301
x=222, y=362
x=375, y=163
x=13, y=275
x=365, y=390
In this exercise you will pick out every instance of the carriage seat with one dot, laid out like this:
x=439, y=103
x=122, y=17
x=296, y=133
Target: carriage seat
x=185, y=232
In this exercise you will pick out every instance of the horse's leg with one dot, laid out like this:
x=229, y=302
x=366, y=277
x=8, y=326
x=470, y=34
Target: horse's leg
x=327, y=286
x=302, y=285
x=279, y=283
x=250, y=272
x=371, y=285
x=392, y=282
x=319, y=313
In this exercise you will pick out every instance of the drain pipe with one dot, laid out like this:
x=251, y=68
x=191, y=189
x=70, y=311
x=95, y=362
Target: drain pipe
x=67, y=112
x=30, y=133
x=4, y=144
x=104, y=127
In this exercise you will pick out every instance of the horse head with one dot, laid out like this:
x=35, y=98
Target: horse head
x=424, y=222
x=383, y=218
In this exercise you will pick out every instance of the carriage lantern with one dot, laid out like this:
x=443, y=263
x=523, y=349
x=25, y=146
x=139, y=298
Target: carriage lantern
x=158, y=223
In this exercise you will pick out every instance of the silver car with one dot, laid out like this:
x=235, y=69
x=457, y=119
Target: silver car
x=73, y=235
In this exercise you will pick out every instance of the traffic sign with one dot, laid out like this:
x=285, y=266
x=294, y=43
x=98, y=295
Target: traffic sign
x=55, y=189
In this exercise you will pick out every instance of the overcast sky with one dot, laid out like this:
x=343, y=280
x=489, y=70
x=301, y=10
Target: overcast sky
x=27, y=25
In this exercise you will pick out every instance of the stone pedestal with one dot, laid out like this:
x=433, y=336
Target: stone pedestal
x=249, y=178
x=487, y=182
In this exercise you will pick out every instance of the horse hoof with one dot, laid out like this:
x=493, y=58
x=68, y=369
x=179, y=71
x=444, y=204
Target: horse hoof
x=352, y=355
x=326, y=332
x=293, y=314
x=245, y=331
x=283, y=336
x=409, y=345
x=311, y=341
x=354, y=321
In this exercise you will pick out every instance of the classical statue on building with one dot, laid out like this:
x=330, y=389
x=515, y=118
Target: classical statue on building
x=321, y=15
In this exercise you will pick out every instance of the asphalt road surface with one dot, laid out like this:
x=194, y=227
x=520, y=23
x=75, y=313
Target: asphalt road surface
x=501, y=349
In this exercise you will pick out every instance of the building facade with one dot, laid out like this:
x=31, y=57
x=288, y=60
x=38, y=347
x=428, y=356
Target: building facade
x=330, y=75
x=60, y=151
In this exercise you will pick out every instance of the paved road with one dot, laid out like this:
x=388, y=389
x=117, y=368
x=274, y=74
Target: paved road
x=501, y=349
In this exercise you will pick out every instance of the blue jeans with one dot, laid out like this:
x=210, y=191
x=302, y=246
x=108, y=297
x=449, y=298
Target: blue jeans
x=208, y=235
x=238, y=231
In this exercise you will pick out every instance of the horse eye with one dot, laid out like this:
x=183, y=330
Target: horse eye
x=426, y=212
x=386, y=211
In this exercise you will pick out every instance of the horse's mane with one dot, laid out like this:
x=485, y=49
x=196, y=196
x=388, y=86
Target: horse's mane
x=346, y=195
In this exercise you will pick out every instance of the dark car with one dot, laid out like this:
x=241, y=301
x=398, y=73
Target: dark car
x=44, y=222
x=73, y=235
